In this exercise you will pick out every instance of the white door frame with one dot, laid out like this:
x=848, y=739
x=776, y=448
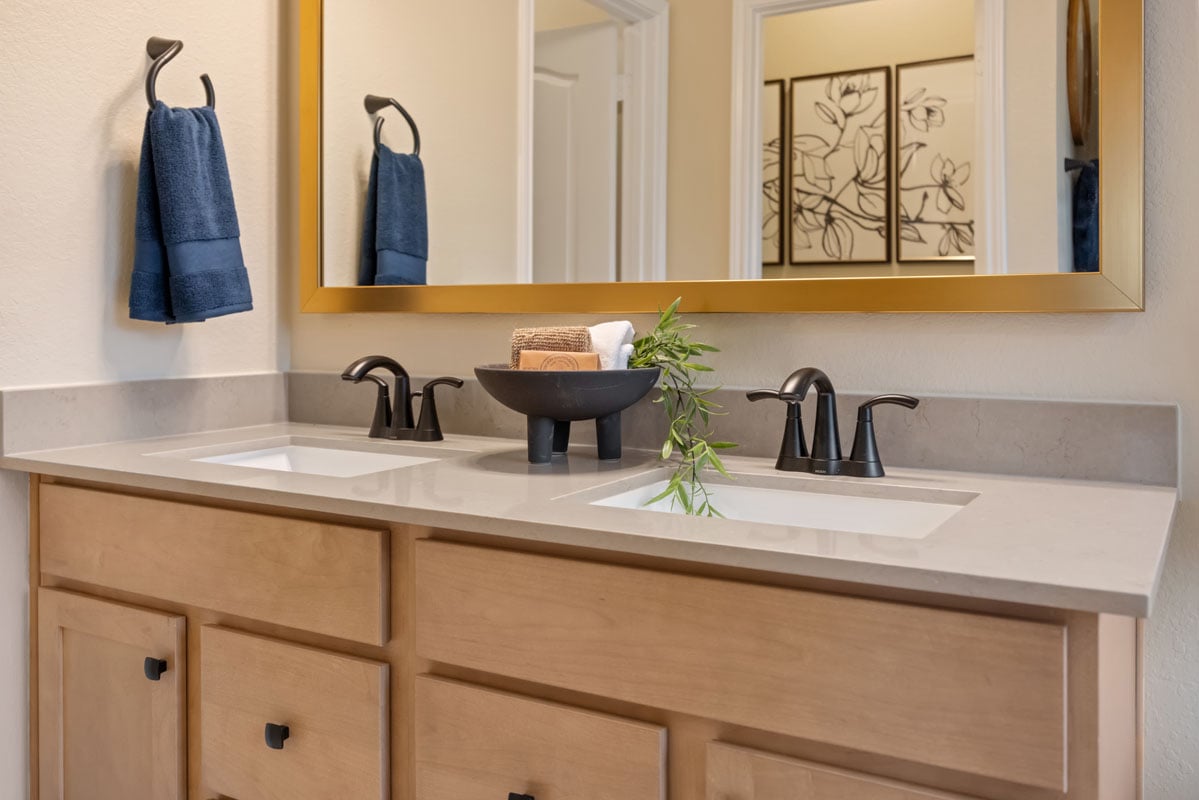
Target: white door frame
x=745, y=189
x=643, y=197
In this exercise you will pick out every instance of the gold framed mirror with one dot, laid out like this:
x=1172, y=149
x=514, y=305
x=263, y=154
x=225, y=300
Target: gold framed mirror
x=1117, y=286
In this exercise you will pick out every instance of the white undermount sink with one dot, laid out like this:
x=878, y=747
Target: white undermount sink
x=884, y=511
x=326, y=461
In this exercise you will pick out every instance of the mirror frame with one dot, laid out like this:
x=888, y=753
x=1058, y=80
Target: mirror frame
x=1119, y=286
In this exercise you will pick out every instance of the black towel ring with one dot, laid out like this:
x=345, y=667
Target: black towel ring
x=162, y=51
x=374, y=104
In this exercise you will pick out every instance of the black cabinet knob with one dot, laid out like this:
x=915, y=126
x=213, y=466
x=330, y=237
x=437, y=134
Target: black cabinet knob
x=276, y=735
x=154, y=667
x=515, y=796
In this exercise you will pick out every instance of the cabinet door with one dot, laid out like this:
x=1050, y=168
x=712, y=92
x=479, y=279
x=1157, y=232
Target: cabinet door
x=735, y=773
x=111, y=714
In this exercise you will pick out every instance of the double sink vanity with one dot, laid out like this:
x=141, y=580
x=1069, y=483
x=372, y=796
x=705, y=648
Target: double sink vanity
x=301, y=611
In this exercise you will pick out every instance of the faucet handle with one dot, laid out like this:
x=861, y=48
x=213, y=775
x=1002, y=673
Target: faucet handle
x=907, y=401
x=428, y=429
x=793, y=446
x=864, y=456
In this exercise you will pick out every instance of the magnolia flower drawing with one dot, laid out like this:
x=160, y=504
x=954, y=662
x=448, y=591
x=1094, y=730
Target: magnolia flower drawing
x=936, y=142
x=840, y=208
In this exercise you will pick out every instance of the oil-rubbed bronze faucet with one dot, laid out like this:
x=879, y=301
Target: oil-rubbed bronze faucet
x=825, y=456
x=397, y=422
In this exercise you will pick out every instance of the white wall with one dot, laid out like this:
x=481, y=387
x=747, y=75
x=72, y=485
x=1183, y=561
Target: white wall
x=1039, y=213
x=71, y=89
x=453, y=66
x=1142, y=357
x=347, y=131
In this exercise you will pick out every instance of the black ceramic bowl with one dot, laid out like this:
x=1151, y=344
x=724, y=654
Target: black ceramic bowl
x=552, y=400
x=566, y=396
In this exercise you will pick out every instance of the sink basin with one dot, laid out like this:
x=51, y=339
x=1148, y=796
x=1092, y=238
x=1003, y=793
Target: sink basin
x=885, y=511
x=326, y=461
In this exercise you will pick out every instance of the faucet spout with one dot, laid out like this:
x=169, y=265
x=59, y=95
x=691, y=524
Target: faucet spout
x=796, y=387
x=402, y=416
x=826, y=436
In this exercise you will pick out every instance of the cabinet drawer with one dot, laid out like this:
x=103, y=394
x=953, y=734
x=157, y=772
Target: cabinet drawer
x=735, y=773
x=480, y=744
x=328, y=579
x=969, y=692
x=335, y=709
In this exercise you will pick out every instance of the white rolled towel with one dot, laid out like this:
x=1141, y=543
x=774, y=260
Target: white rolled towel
x=626, y=353
x=609, y=339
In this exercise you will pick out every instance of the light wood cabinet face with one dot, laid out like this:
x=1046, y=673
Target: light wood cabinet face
x=106, y=731
x=979, y=694
x=329, y=579
x=480, y=744
x=735, y=773
x=334, y=706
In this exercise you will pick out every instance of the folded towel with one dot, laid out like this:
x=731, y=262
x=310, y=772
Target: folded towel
x=607, y=339
x=187, y=262
x=395, y=227
x=562, y=340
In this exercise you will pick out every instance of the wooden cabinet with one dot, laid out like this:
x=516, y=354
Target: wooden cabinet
x=478, y=744
x=735, y=773
x=558, y=677
x=329, y=714
x=975, y=693
x=111, y=724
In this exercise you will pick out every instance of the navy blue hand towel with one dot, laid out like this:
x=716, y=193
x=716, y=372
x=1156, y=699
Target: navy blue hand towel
x=187, y=265
x=395, y=228
x=1086, y=215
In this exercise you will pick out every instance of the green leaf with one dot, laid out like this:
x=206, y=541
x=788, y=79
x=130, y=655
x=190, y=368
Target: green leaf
x=688, y=408
x=718, y=465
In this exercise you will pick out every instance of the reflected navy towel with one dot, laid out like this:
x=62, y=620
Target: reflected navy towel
x=187, y=265
x=1086, y=215
x=395, y=227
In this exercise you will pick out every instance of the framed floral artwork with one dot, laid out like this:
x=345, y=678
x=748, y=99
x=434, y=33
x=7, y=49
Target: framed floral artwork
x=839, y=202
x=774, y=212
x=936, y=134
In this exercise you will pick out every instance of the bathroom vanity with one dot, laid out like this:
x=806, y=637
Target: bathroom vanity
x=470, y=626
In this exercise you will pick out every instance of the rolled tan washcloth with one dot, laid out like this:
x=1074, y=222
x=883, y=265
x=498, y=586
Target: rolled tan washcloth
x=562, y=340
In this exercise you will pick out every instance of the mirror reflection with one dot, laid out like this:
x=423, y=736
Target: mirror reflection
x=589, y=141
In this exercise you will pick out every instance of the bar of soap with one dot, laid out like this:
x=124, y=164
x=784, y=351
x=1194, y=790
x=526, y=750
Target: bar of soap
x=553, y=360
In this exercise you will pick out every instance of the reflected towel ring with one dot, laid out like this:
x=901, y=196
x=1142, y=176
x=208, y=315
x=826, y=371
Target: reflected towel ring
x=162, y=51
x=374, y=104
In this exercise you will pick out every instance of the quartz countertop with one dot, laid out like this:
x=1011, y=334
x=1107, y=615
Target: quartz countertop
x=1076, y=545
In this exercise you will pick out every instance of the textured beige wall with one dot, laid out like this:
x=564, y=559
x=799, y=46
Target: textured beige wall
x=1142, y=357
x=72, y=89
x=72, y=93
